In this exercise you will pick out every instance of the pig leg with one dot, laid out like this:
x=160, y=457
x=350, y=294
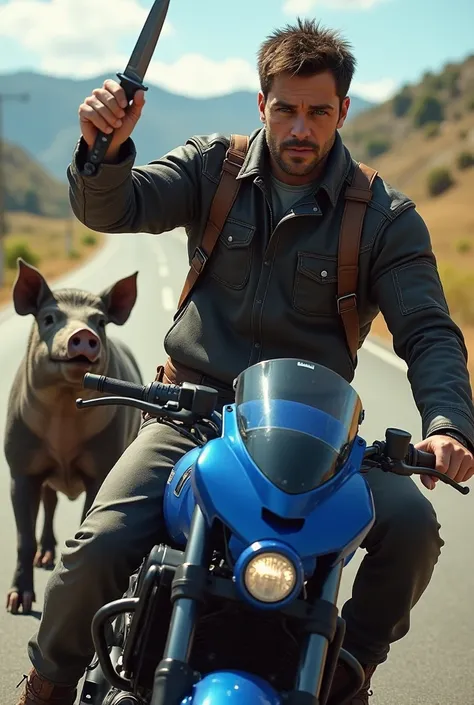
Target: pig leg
x=25, y=496
x=46, y=554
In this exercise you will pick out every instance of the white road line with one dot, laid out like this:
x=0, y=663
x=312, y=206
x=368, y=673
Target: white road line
x=385, y=355
x=167, y=298
x=160, y=253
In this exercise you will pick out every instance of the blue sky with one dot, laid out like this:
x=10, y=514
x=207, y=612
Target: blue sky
x=202, y=53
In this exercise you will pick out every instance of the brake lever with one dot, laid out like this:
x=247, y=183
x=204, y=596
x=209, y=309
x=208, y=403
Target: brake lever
x=375, y=455
x=401, y=468
x=157, y=411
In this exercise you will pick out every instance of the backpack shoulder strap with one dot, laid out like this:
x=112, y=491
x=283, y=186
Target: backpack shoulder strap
x=222, y=202
x=357, y=195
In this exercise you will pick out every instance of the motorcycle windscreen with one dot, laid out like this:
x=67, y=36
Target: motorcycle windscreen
x=297, y=421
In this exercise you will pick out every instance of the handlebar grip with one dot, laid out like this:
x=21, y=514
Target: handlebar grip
x=160, y=393
x=423, y=459
x=101, y=383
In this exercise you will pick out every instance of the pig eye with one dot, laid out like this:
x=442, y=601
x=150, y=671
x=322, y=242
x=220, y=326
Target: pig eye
x=48, y=320
x=102, y=323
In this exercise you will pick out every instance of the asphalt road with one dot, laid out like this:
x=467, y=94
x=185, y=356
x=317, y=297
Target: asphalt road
x=433, y=665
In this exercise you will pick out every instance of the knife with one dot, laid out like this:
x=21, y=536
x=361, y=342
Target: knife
x=131, y=80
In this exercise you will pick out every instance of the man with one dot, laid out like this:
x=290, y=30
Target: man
x=269, y=290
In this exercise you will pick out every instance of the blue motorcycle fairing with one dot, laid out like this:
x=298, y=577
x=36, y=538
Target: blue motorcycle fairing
x=179, y=500
x=232, y=688
x=229, y=451
x=229, y=486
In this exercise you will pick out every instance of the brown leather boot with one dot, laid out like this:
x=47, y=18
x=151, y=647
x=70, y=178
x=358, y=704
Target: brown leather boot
x=39, y=691
x=341, y=679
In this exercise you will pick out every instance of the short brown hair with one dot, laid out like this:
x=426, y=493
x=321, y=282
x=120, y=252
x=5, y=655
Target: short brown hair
x=304, y=49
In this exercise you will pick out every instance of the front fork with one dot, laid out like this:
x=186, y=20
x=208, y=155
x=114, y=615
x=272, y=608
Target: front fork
x=320, y=654
x=174, y=678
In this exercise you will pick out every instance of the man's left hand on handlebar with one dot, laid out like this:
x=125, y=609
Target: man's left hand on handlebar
x=452, y=459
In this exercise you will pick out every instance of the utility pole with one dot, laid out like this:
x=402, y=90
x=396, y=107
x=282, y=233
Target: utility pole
x=69, y=232
x=3, y=229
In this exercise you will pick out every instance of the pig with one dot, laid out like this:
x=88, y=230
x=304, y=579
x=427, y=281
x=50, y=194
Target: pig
x=49, y=444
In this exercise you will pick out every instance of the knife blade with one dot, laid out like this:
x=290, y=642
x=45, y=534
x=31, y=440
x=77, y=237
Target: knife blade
x=131, y=80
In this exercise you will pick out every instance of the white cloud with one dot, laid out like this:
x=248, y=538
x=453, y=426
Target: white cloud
x=74, y=36
x=301, y=7
x=80, y=38
x=196, y=75
x=193, y=75
x=376, y=91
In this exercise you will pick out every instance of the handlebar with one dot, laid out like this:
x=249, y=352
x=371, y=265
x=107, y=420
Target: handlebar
x=396, y=454
x=186, y=402
x=190, y=403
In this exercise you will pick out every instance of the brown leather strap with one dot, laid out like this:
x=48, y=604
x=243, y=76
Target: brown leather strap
x=357, y=196
x=222, y=202
x=174, y=373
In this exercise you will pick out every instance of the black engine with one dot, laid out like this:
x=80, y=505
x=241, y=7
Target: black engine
x=228, y=634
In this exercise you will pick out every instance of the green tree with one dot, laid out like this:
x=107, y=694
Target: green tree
x=465, y=160
x=32, y=203
x=450, y=79
x=377, y=146
x=439, y=181
x=402, y=102
x=427, y=109
x=20, y=249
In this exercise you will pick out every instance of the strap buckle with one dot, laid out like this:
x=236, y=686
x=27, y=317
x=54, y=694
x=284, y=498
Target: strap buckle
x=346, y=297
x=233, y=162
x=202, y=258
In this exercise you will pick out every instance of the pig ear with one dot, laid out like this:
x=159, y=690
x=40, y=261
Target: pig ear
x=119, y=299
x=29, y=290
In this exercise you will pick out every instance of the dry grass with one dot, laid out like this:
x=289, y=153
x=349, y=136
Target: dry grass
x=46, y=238
x=449, y=216
x=379, y=328
x=408, y=164
x=450, y=219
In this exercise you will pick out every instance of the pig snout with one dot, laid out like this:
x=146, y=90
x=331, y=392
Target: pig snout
x=83, y=342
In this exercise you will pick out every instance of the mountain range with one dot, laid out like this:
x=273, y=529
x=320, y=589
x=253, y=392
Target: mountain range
x=47, y=125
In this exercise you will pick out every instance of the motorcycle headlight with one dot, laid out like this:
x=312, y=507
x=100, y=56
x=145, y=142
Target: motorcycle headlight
x=270, y=577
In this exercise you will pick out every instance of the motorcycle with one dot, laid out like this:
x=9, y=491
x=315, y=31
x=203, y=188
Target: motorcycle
x=262, y=515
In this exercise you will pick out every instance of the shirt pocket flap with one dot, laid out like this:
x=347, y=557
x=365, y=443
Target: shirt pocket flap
x=236, y=233
x=318, y=267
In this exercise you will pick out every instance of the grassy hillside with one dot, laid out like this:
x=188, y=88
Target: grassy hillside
x=409, y=123
x=54, y=245
x=40, y=226
x=422, y=142
x=29, y=187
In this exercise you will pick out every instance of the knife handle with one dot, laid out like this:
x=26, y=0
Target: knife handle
x=103, y=140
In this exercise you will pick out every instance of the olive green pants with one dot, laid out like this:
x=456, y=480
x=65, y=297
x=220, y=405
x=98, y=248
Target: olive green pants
x=126, y=521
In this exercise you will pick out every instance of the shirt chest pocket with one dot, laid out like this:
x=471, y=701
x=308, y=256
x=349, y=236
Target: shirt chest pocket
x=232, y=256
x=315, y=285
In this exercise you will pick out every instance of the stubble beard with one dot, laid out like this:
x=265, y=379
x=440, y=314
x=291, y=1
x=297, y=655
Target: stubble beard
x=296, y=167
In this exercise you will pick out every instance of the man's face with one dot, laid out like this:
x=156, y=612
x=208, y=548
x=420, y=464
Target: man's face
x=301, y=116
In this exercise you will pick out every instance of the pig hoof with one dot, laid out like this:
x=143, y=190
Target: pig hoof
x=44, y=559
x=16, y=599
